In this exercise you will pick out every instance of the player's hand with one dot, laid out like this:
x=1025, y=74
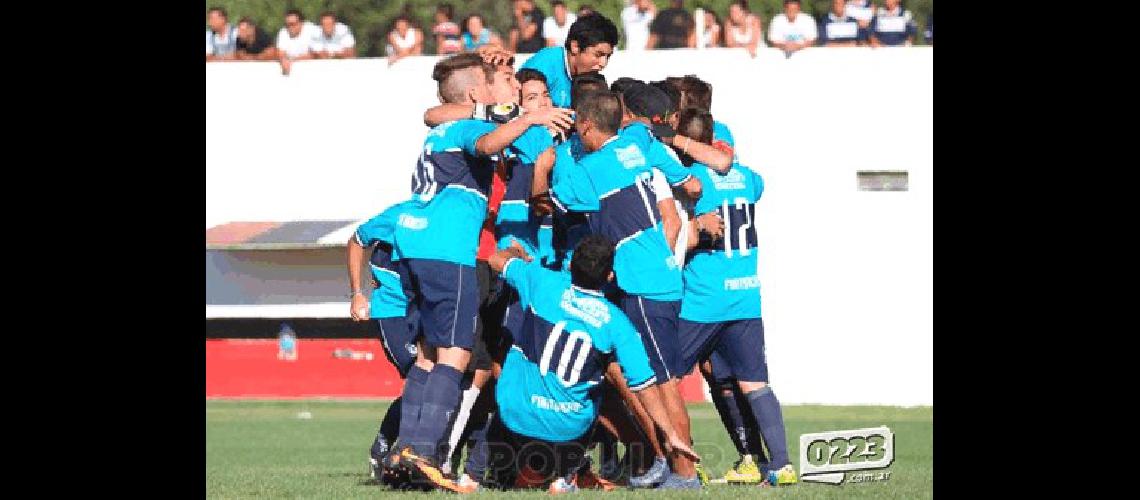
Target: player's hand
x=493, y=54
x=540, y=204
x=551, y=118
x=679, y=447
x=711, y=223
x=517, y=250
x=360, y=307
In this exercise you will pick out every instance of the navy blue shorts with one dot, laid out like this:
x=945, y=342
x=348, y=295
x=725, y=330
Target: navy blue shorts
x=740, y=343
x=398, y=335
x=656, y=322
x=446, y=296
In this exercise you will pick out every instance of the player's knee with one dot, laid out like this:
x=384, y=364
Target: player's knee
x=747, y=386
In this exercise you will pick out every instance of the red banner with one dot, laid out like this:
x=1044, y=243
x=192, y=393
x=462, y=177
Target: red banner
x=321, y=368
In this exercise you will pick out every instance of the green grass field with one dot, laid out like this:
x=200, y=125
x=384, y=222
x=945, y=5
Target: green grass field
x=262, y=449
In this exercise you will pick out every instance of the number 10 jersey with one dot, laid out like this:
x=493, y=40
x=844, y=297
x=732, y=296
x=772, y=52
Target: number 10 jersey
x=549, y=385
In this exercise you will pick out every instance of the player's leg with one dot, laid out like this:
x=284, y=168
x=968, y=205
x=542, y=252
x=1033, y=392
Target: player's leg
x=449, y=306
x=744, y=351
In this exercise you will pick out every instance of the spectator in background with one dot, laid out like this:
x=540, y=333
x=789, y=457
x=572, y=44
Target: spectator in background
x=557, y=26
x=221, y=38
x=892, y=26
x=837, y=29
x=295, y=39
x=635, y=20
x=253, y=43
x=335, y=40
x=526, y=32
x=863, y=11
x=673, y=28
x=476, y=35
x=404, y=40
x=585, y=10
x=930, y=29
x=743, y=28
x=792, y=30
x=447, y=33
x=708, y=30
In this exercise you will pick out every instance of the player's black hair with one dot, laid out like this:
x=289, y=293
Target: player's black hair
x=592, y=262
x=219, y=10
x=590, y=30
x=671, y=91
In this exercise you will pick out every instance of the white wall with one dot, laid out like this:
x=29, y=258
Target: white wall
x=847, y=275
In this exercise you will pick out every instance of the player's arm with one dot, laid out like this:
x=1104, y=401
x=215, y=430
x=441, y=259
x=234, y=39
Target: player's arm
x=449, y=112
x=505, y=134
x=705, y=153
x=670, y=219
x=540, y=183
x=359, y=309
x=269, y=54
x=704, y=230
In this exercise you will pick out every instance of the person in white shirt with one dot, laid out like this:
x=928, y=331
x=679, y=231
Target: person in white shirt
x=557, y=26
x=295, y=39
x=221, y=38
x=335, y=40
x=792, y=30
x=635, y=20
x=862, y=11
x=742, y=28
x=404, y=40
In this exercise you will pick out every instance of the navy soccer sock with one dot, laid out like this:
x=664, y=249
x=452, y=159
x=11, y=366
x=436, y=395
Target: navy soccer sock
x=412, y=401
x=766, y=408
x=729, y=416
x=441, y=399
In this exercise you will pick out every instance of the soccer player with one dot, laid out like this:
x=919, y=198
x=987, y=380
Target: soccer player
x=386, y=306
x=438, y=245
x=589, y=45
x=721, y=305
x=549, y=388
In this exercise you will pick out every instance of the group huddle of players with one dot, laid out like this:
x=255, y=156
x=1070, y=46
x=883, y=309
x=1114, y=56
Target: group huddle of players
x=570, y=250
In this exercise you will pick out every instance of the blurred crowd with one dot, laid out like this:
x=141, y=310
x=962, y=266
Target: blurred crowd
x=848, y=23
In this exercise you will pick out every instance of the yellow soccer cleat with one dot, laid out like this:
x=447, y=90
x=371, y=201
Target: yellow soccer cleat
x=745, y=472
x=785, y=476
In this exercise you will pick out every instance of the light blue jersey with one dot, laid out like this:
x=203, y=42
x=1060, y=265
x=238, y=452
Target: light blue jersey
x=551, y=62
x=615, y=181
x=657, y=154
x=721, y=284
x=515, y=222
x=449, y=189
x=549, y=385
x=388, y=299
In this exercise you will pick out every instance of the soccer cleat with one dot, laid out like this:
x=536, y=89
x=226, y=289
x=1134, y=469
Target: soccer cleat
x=786, y=475
x=745, y=472
x=586, y=479
x=426, y=471
x=561, y=485
x=678, y=482
x=467, y=485
x=652, y=477
x=392, y=473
